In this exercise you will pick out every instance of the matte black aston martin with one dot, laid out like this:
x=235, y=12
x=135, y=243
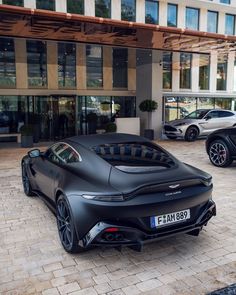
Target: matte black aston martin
x=117, y=189
x=221, y=147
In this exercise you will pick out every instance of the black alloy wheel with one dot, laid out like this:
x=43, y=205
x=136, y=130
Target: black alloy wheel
x=191, y=133
x=66, y=228
x=219, y=154
x=25, y=181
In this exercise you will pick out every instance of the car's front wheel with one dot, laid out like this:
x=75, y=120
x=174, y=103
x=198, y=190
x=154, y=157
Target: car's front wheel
x=25, y=181
x=219, y=153
x=66, y=227
x=191, y=133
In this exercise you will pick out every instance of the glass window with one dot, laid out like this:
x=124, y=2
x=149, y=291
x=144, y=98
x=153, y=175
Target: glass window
x=151, y=12
x=221, y=77
x=48, y=4
x=192, y=18
x=13, y=2
x=128, y=10
x=75, y=6
x=225, y=1
x=63, y=153
x=185, y=70
x=94, y=61
x=103, y=8
x=172, y=15
x=7, y=63
x=123, y=107
x=37, y=63
x=66, y=65
x=204, y=71
x=167, y=70
x=224, y=114
x=120, y=67
x=212, y=21
x=229, y=24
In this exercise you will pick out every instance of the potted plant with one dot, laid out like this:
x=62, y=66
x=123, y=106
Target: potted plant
x=148, y=106
x=27, y=132
x=111, y=127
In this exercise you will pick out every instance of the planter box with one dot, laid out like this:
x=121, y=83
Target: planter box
x=128, y=125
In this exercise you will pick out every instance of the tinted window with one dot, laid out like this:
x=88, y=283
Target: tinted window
x=75, y=6
x=7, y=63
x=192, y=18
x=172, y=15
x=13, y=2
x=229, y=24
x=214, y=114
x=134, y=157
x=62, y=153
x=224, y=114
x=103, y=8
x=128, y=10
x=198, y=114
x=120, y=67
x=43, y=4
x=151, y=12
x=212, y=21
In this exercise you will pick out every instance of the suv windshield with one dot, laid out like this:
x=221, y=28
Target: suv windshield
x=198, y=114
x=134, y=157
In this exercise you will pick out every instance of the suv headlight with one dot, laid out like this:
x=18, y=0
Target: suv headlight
x=104, y=198
x=207, y=181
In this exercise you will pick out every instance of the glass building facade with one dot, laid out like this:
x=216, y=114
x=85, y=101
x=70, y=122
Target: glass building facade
x=192, y=18
x=128, y=10
x=185, y=70
x=212, y=21
x=75, y=6
x=151, y=12
x=229, y=24
x=48, y=5
x=172, y=15
x=103, y=8
x=7, y=63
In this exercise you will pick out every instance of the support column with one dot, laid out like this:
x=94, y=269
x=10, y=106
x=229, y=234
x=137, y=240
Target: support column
x=116, y=9
x=230, y=71
x=213, y=71
x=203, y=20
x=52, y=69
x=162, y=13
x=140, y=11
x=81, y=66
x=131, y=69
x=89, y=7
x=175, y=71
x=195, y=73
x=107, y=68
x=30, y=4
x=21, y=64
x=61, y=6
x=181, y=16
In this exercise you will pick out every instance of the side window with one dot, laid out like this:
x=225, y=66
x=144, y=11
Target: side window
x=213, y=114
x=62, y=153
x=52, y=156
x=224, y=114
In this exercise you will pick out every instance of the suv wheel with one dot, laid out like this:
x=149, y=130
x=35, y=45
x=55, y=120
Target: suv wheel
x=25, y=181
x=191, y=133
x=219, y=154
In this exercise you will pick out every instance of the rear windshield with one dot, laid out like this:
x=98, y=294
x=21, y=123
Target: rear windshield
x=134, y=157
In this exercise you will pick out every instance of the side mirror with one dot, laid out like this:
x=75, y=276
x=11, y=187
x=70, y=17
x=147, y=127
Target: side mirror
x=34, y=153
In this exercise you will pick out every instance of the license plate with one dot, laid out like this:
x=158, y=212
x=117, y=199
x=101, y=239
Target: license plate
x=170, y=218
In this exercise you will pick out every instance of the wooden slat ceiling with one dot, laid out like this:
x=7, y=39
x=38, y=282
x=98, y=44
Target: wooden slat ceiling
x=47, y=25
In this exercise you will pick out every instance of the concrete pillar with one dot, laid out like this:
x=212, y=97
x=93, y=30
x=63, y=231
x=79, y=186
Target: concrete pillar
x=52, y=61
x=213, y=71
x=195, y=73
x=131, y=69
x=162, y=13
x=81, y=66
x=116, y=9
x=181, y=16
x=107, y=68
x=21, y=64
x=221, y=22
x=140, y=11
x=89, y=7
x=0, y=1
x=230, y=71
x=30, y=3
x=203, y=20
x=61, y=6
x=175, y=71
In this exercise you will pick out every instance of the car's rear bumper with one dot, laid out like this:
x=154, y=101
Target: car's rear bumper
x=116, y=233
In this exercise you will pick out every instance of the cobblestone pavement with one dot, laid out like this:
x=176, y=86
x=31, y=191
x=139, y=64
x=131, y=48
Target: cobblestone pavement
x=32, y=260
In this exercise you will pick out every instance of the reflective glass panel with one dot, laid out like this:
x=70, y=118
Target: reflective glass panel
x=7, y=63
x=167, y=70
x=13, y=2
x=212, y=21
x=94, y=62
x=225, y=1
x=120, y=67
x=221, y=77
x=204, y=71
x=172, y=15
x=128, y=10
x=229, y=24
x=75, y=6
x=192, y=18
x=66, y=65
x=48, y=4
x=103, y=8
x=37, y=63
x=151, y=12
x=185, y=70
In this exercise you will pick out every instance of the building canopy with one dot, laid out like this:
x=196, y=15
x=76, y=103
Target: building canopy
x=22, y=22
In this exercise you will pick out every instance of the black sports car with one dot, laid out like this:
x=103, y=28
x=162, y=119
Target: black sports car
x=117, y=189
x=221, y=147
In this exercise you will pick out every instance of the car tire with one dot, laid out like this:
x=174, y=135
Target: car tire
x=26, y=181
x=191, y=133
x=219, y=153
x=66, y=226
x=171, y=136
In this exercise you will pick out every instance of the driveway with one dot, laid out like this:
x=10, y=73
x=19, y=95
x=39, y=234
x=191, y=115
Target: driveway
x=32, y=260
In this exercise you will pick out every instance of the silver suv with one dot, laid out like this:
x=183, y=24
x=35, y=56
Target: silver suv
x=199, y=123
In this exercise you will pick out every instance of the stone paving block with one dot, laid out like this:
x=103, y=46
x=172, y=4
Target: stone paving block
x=148, y=285
x=103, y=288
x=69, y=288
x=52, y=291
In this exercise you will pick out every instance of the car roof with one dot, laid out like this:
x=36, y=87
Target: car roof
x=100, y=139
